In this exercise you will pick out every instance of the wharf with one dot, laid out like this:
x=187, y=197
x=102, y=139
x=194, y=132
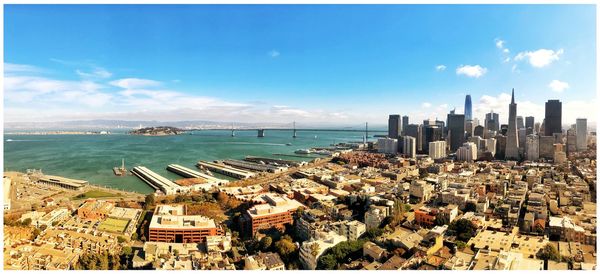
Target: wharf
x=226, y=170
x=189, y=173
x=156, y=181
x=296, y=155
x=254, y=166
x=273, y=161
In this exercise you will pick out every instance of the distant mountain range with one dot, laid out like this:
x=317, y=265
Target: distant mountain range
x=128, y=125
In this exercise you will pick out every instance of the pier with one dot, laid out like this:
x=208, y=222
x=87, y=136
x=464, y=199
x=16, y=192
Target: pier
x=226, y=170
x=190, y=173
x=254, y=166
x=273, y=161
x=156, y=181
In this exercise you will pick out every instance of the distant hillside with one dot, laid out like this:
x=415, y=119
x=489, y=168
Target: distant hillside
x=157, y=131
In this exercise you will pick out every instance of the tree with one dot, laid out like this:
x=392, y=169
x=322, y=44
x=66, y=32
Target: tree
x=373, y=233
x=285, y=247
x=265, y=243
x=548, y=252
x=460, y=245
x=327, y=262
x=126, y=251
x=149, y=201
x=36, y=231
x=464, y=229
x=121, y=239
x=134, y=236
x=470, y=207
x=26, y=222
x=176, y=252
x=314, y=249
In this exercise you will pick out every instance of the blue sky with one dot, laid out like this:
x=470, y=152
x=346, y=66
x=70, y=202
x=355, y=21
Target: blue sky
x=342, y=64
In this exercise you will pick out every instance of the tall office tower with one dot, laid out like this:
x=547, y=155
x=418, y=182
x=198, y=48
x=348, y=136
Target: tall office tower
x=437, y=149
x=467, y=152
x=542, y=131
x=387, y=145
x=468, y=108
x=522, y=133
x=529, y=124
x=394, y=126
x=553, y=119
x=533, y=147
x=410, y=146
x=432, y=133
x=490, y=146
x=520, y=123
x=536, y=128
x=456, y=130
x=478, y=131
x=404, y=124
x=500, y=147
x=442, y=126
x=572, y=139
x=512, y=140
x=546, y=147
x=492, y=121
x=416, y=132
x=469, y=127
x=581, y=126
x=504, y=129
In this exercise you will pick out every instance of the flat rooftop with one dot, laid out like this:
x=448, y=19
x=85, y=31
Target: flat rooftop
x=173, y=216
x=63, y=180
x=275, y=204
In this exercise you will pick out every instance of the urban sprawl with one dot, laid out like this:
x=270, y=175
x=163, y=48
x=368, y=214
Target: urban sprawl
x=456, y=194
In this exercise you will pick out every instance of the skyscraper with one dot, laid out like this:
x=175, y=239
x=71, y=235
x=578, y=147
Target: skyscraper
x=431, y=134
x=520, y=123
x=410, y=146
x=394, y=126
x=492, y=122
x=414, y=131
x=581, y=126
x=512, y=140
x=404, y=124
x=456, y=130
x=468, y=108
x=529, y=124
x=553, y=120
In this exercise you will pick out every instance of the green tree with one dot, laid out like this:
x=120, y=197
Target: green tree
x=549, y=252
x=36, y=232
x=126, y=251
x=121, y=239
x=26, y=222
x=285, y=247
x=149, y=201
x=327, y=262
x=464, y=229
x=460, y=245
x=470, y=207
x=265, y=243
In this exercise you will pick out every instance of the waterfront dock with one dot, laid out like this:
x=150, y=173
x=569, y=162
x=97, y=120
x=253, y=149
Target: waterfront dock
x=273, y=161
x=296, y=155
x=189, y=173
x=254, y=166
x=156, y=181
x=226, y=170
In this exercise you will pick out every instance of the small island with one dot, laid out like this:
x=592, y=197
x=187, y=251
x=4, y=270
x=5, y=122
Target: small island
x=157, y=131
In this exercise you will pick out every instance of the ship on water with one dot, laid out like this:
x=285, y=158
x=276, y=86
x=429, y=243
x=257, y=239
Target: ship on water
x=120, y=171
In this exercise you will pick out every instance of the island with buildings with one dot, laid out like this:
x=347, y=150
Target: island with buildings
x=157, y=131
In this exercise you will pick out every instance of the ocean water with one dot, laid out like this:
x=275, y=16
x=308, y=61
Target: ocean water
x=92, y=157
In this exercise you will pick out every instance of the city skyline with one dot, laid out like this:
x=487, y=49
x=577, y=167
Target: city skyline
x=284, y=72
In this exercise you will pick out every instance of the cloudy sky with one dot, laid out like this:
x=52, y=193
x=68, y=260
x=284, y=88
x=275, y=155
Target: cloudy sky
x=312, y=64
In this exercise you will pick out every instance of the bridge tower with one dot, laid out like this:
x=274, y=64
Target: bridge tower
x=261, y=133
x=232, y=130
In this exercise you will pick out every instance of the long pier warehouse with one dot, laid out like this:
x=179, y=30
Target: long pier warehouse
x=226, y=170
x=156, y=181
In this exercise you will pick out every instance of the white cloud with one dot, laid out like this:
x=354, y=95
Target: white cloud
x=499, y=104
x=134, y=83
x=475, y=71
x=274, y=53
x=440, y=67
x=558, y=86
x=540, y=58
x=426, y=105
x=506, y=50
x=18, y=68
x=97, y=72
x=499, y=43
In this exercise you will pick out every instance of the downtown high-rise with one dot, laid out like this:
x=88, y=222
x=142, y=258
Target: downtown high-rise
x=553, y=118
x=512, y=139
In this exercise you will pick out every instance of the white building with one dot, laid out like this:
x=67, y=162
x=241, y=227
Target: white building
x=350, y=229
x=581, y=126
x=421, y=189
x=410, y=146
x=490, y=146
x=312, y=250
x=387, y=145
x=533, y=147
x=437, y=149
x=467, y=152
x=375, y=215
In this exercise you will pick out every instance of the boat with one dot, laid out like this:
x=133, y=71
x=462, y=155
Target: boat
x=302, y=151
x=288, y=144
x=9, y=140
